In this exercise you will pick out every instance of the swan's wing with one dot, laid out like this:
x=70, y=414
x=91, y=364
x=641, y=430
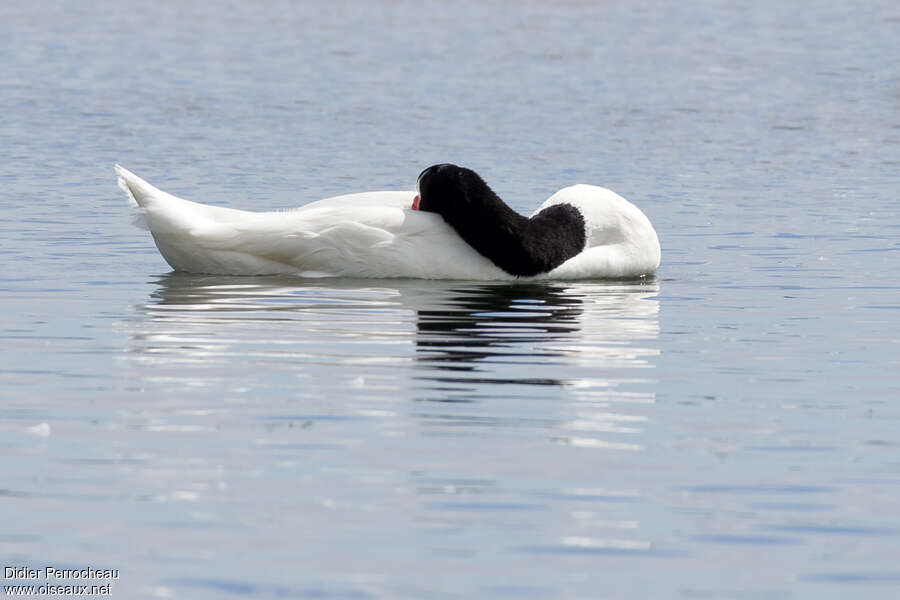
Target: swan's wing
x=346, y=239
x=303, y=241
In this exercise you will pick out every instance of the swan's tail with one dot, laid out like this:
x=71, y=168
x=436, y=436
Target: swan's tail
x=137, y=189
x=195, y=237
x=163, y=213
x=139, y=192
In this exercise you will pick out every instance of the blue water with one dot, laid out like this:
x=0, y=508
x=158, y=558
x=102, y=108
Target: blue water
x=726, y=430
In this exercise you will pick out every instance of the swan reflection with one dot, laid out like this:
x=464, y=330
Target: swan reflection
x=431, y=340
x=480, y=321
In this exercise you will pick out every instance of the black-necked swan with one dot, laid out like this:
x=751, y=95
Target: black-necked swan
x=453, y=227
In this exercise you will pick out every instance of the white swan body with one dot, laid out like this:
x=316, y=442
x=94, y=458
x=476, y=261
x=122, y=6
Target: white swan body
x=375, y=234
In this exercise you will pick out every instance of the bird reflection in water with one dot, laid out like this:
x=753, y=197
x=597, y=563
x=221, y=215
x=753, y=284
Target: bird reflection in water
x=484, y=340
x=510, y=322
x=469, y=341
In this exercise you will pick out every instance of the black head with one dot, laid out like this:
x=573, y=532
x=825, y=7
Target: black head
x=449, y=190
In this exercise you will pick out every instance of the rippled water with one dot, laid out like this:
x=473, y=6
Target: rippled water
x=728, y=429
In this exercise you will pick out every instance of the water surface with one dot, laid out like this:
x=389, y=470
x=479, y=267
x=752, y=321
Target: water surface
x=727, y=429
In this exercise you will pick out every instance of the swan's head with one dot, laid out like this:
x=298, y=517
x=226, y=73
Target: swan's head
x=449, y=190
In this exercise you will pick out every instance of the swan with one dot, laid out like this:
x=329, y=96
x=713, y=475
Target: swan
x=452, y=227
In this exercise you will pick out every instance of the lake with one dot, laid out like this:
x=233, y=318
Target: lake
x=729, y=429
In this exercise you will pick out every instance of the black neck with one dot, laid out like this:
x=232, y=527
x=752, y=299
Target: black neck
x=521, y=246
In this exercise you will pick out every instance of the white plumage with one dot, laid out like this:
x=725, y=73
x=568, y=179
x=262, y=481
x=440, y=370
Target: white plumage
x=375, y=234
